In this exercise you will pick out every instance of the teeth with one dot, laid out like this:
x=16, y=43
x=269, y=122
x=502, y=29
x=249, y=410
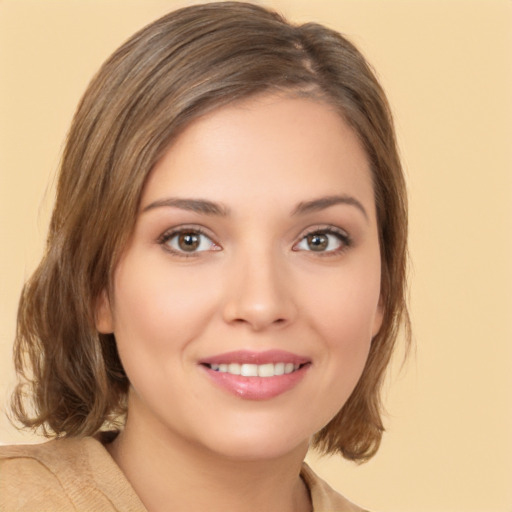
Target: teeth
x=256, y=370
x=249, y=370
x=234, y=368
x=279, y=368
x=266, y=370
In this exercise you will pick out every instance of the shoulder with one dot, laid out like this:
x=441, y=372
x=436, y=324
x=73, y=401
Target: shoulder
x=48, y=459
x=61, y=475
x=29, y=480
x=323, y=497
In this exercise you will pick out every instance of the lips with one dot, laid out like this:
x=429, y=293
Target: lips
x=256, y=375
x=250, y=357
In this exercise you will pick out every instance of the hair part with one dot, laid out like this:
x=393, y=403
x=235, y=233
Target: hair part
x=170, y=73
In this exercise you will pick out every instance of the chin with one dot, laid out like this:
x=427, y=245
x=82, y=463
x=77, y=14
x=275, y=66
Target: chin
x=251, y=450
x=252, y=441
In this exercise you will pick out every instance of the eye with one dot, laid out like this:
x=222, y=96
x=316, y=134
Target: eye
x=324, y=241
x=188, y=241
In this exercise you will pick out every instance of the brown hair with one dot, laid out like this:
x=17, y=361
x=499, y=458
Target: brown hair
x=176, y=69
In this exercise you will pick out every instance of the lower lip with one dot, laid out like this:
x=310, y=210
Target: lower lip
x=257, y=388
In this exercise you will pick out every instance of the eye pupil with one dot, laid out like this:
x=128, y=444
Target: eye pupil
x=317, y=242
x=188, y=241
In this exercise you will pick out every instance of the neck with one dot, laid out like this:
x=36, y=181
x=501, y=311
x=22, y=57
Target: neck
x=164, y=470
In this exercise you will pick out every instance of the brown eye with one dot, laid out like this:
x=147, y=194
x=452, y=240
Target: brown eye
x=328, y=241
x=317, y=241
x=188, y=242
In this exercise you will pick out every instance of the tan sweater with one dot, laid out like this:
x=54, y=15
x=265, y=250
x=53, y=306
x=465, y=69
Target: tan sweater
x=79, y=475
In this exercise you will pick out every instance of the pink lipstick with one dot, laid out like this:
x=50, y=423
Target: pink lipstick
x=256, y=375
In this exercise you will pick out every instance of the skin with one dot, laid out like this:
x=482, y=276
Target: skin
x=254, y=283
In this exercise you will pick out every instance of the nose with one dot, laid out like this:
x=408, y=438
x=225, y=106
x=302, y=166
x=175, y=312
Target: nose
x=258, y=293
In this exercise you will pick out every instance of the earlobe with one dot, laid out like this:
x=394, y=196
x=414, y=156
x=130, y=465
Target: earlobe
x=103, y=314
x=378, y=319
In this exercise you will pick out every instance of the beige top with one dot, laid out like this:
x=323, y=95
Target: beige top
x=80, y=475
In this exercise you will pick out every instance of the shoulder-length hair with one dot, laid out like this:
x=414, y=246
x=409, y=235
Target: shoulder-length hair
x=173, y=71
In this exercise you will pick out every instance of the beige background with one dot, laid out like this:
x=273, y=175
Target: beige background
x=447, y=68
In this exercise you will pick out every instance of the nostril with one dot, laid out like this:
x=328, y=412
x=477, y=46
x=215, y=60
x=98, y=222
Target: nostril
x=257, y=311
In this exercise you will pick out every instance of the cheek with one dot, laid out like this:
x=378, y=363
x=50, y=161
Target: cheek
x=159, y=310
x=348, y=304
x=343, y=321
x=345, y=311
x=158, y=314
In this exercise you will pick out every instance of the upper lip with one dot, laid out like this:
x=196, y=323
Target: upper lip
x=254, y=357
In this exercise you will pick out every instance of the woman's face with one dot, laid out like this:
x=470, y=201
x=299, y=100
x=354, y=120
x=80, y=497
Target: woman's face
x=245, y=303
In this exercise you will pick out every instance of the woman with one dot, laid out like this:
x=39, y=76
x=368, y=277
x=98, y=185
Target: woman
x=224, y=277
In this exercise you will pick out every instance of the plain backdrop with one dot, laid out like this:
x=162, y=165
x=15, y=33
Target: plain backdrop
x=447, y=68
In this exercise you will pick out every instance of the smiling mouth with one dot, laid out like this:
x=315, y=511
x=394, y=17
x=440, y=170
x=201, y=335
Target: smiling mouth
x=256, y=370
x=253, y=375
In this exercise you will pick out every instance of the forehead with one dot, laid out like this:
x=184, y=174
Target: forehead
x=273, y=148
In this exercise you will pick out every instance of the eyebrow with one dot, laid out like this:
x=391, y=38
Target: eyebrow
x=325, y=202
x=206, y=207
x=194, y=205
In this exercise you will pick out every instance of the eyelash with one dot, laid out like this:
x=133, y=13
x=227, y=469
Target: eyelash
x=164, y=239
x=343, y=237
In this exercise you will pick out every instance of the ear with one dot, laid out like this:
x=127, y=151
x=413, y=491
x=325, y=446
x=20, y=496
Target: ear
x=378, y=319
x=103, y=314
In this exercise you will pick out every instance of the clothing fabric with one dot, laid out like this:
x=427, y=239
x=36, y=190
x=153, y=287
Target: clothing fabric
x=80, y=475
